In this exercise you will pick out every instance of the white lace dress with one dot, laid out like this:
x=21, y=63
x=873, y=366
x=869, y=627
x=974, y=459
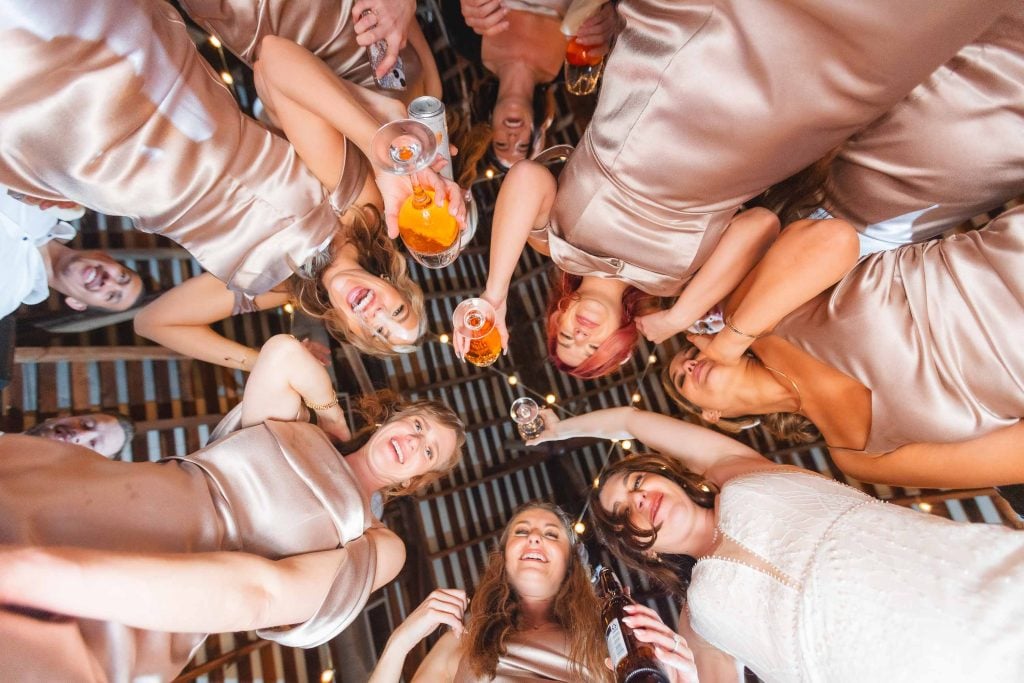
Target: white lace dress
x=831, y=585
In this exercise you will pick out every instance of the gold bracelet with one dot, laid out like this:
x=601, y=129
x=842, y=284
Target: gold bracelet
x=728, y=323
x=318, y=407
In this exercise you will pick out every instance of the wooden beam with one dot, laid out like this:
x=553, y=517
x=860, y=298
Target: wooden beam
x=58, y=354
x=222, y=661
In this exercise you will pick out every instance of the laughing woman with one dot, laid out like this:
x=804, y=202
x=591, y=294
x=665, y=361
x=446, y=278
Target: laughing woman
x=796, y=575
x=534, y=616
x=118, y=572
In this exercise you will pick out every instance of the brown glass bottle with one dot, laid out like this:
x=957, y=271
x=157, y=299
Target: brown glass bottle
x=633, y=661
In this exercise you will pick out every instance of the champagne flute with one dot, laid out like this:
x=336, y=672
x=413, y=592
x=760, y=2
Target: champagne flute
x=475, y=319
x=430, y=233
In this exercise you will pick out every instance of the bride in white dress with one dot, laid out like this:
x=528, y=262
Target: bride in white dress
x=799, y=577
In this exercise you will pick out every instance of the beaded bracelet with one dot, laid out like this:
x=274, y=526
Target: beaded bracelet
x=318, y=407
x=728, y=323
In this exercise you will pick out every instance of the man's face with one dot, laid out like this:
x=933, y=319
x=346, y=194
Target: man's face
x=102, y=433
x=93, y=278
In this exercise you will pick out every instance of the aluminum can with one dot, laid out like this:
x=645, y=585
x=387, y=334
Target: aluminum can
x=430, y=112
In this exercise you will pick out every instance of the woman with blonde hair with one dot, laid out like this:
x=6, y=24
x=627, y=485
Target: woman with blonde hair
x=534, y=614
x=120, y=571
x=183, y=161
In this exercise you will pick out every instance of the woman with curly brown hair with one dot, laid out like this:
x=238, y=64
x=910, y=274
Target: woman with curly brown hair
x=120, y=571
x=534, y=614
x=797, y=576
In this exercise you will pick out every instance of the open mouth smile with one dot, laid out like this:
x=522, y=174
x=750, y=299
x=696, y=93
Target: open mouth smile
x=398, y=451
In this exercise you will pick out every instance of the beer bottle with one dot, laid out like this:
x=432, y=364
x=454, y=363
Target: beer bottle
x=632, y=660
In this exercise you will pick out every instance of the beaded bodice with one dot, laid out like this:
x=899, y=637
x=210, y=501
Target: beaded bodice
x=746, y=598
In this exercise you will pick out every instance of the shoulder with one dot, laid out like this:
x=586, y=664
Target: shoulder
x=390, y=551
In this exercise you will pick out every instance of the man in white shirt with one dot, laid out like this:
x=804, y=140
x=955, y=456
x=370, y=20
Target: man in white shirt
x=35, y=259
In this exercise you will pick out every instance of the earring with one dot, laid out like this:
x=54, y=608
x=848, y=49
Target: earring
x=385, y=277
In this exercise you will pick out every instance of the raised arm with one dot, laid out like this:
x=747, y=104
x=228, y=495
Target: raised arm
x=285, y=378
x=702, y=450
x=995, y=459
x=743, y=244
x=809, y=257
x=185, y=592
x=442, y=607
x=180, y=320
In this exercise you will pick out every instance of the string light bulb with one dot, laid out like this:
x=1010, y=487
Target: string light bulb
x=636, y=398
x=215, y=42
x=226, y=77
x=513, y=380
x=626, y=445
x=597, y=482
x=489, y=173
x=652, y=359
x=579, y=527
x=327, y=676
x=289, y=309
x=924, y=506
x=443, y=339
x=550, y=399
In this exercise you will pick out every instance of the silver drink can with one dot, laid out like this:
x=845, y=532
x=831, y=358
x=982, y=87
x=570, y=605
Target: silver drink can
x=430, y=112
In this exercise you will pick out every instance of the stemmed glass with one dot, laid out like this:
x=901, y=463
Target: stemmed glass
x=431, y=234
x=526, y=414
x=476, y=320
x=582, y=68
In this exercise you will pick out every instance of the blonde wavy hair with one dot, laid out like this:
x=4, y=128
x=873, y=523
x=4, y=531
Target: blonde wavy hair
x=385, y=406
x=496, y=615
x=377, y=255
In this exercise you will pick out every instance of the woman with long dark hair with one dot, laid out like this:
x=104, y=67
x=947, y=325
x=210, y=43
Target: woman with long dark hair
x=797, y=576
x=118, y=569
x=533, y=615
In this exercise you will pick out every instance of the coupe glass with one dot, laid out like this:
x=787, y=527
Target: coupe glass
x=430, y=233
x=526, y=414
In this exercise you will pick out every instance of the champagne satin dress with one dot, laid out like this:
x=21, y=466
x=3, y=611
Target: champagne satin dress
x=110, y=105
x=324, y=27
x=951, y=150
x=705, y=105
x=277, y=489
x=933, y=330
x=532, y=656
x=836, y=586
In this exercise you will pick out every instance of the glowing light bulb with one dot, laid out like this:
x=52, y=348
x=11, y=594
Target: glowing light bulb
x=226, y=77
x=489, y=173
x=215, y=42
x=513, y=380
x=636, y=398
x=579, y=527
x=597, y=482
x=288, y=308
x=924, y=506
x=327, y=676
x=443, y=339
x=626, y=445
x=652, y=359
x=550, y=399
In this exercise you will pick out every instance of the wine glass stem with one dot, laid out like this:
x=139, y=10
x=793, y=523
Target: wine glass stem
x=420, y=199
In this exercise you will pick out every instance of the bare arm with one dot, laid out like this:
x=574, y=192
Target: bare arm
x=702, y=450
x=287, y=376
x=431, y=78
x=180, y=320
x=182, y=592
x=809, y=257
x=743, y=244
x=442, y=607
x=995, y=459
x=713, y=665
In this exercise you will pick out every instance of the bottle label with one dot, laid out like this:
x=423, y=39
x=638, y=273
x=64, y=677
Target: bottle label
x=616, y=642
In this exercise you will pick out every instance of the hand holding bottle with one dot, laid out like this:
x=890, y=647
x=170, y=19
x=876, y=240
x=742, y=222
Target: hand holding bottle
x=669, y=647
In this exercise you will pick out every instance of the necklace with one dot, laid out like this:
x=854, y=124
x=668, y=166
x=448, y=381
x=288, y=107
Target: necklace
x=799, y=398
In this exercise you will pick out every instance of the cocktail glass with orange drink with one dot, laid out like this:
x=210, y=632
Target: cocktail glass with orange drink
x=430, y=233
x=475, y=320
x=582, y=67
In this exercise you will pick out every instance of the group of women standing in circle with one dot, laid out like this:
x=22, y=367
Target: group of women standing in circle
x=848, y=134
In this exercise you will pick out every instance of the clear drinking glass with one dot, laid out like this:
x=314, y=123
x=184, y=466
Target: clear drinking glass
x=526, y=414
x=474, y=319
x=582, y=68
x=430, y=233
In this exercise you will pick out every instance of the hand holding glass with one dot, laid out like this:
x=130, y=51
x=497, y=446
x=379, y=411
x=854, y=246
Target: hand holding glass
x=582, y=67
x=526, y=414
x=475, y=319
